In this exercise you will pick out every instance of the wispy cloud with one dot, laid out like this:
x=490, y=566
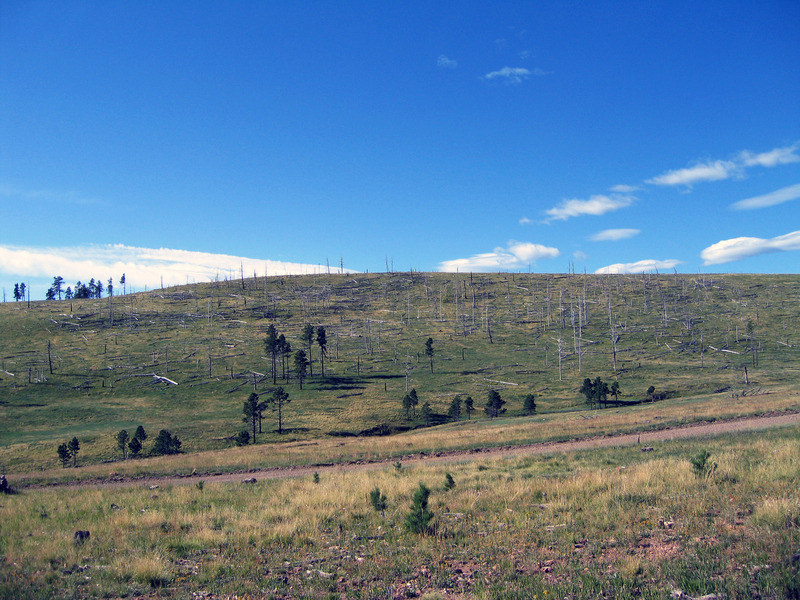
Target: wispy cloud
x=510, y=74
x=711, y=171
x=642, y=266
x=614, y=235
x=624, y=189
x=744, y=247
x=141, y=266
x=779, y=156
x=50, y=196
x=595, y=205
x=718, y=170
x=517, y=255
x=444, y=62
x=777, y=197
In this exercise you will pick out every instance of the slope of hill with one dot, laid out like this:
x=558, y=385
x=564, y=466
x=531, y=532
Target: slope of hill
x=186, y=358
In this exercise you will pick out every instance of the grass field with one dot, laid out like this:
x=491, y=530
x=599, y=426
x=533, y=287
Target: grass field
x=613, y=523
x=89, y=368
x=605, y=523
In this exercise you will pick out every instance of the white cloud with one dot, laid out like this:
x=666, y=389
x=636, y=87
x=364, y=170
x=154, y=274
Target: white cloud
x=510, y=74
x=446, y=63
x=624, y=189
x=777, y=197
x=516, y=256
x=778, y=156
x=595, y=205
x=714, y=171
x=642, y=266
x=141, y=266
x=613, y=235
x=744, y=247
x=724, y=169
x=525, y=221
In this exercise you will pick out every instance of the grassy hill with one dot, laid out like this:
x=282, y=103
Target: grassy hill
x=186, y=358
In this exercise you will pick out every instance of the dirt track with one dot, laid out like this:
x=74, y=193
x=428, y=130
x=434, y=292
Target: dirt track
x=644, y=439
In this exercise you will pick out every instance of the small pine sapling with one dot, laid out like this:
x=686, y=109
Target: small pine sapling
x=378, y=500
x=420, y=517
x=449, y=482
x=702, y=466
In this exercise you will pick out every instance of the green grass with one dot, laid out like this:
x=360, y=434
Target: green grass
x=614, y=522
x=490, y=331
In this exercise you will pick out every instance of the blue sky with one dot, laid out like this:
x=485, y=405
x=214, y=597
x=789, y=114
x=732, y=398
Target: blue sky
x=181, y=141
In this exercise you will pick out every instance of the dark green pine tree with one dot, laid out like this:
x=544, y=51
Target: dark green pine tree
x=308, y=337
x=418, y=520
x=272, y=346
x=494, y=404
x=300, y=366
x=322, y=342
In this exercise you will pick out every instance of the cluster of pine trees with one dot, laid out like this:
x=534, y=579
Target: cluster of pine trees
x=93, y=289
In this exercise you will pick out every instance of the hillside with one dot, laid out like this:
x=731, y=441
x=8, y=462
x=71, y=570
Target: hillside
x=186, y=358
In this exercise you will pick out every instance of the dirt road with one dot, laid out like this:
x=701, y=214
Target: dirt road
x=644, y=439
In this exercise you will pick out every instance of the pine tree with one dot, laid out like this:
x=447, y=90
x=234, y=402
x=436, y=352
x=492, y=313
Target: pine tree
x=308, y=337
x=454, y=412
x=135, y=446
x=530, y=404
x=469, y=406
x=272, y=346
x=278, y=400
x=140, y=434
x=300, y=366
x=166, y=443
x=429, y=350
x=74, y=446
x=427, y=413
x=122, y=442
x=64, y=454
x=378, y=500
x=418, y=520
x=252, y=412
x=322, y=342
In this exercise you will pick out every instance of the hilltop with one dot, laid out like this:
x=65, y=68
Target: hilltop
x=186, y=358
